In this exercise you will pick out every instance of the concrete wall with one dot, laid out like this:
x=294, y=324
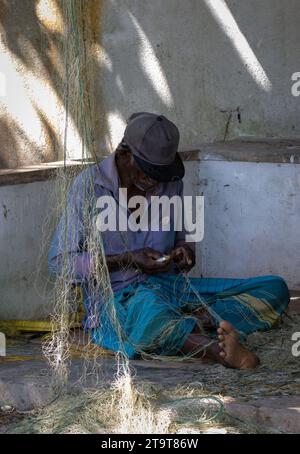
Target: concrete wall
x=25, y=292
x=33, y=82
x=31, y=105
x=252, y=218
x=218, y=68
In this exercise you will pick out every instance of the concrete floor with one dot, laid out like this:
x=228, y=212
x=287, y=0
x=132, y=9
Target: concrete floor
x=272, y=403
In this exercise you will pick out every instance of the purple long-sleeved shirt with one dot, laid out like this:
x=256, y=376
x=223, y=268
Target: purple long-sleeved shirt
x=72, y=230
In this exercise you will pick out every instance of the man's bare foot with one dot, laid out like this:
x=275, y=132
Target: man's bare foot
x=232, y=352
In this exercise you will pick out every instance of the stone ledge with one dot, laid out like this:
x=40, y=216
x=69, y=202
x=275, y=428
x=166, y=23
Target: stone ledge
x=283, y=151
x=39, y=172
x=280, y=414
x=280, y=151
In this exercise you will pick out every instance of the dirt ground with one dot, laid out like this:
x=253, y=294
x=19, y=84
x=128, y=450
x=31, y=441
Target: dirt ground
x=264, y=400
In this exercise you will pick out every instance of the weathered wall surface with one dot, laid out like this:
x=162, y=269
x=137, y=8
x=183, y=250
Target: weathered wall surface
x=24, y=241
x=252, y=218
x=218, y=68
x=33, y=85
x=31, y=106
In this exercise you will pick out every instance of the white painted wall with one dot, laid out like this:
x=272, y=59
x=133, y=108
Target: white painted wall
x=198, y=60
x=252, y=218
x=24, y=289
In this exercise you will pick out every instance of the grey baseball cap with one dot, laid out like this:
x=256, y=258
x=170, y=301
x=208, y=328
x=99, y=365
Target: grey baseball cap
x=153, y=141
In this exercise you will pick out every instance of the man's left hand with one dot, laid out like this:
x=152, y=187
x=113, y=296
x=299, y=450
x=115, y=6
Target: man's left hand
x=184, y=257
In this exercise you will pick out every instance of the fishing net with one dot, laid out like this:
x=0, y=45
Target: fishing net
x=126, y=405
x=122, y=408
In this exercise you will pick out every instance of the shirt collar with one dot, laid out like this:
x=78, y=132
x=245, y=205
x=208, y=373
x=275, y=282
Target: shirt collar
x=107, y=174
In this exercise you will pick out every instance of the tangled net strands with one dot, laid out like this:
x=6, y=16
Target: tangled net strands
x=77, y=102
x=125, y=409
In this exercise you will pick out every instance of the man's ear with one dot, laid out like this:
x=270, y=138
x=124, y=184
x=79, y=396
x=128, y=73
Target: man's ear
x=124, y=153
x=132, y=161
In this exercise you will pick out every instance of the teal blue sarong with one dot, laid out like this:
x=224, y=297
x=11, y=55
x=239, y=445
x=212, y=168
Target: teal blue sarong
x=156, y=316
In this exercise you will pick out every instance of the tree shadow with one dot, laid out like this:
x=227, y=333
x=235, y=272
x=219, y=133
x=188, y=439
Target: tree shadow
x=180, y=64
x=36, y=50
x=11, y=156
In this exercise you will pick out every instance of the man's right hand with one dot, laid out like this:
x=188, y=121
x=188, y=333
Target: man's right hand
x=146, y=260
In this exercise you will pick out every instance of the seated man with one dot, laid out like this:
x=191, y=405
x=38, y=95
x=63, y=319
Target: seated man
x=157, y=308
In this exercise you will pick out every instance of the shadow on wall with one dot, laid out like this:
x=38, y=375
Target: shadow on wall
x=11, y=154
x=219, y=69
x=31, y=62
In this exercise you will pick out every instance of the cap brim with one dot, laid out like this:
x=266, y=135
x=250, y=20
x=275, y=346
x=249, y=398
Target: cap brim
x=162, y=173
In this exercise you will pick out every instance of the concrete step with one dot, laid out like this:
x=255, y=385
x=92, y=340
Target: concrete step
x=280, y=414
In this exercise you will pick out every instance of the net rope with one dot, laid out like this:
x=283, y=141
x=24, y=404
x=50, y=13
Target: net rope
x=129, y=409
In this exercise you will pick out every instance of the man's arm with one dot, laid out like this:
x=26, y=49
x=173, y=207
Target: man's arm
x=184, y=254
x=119, y=261
x=67, y=255
x=144, y=260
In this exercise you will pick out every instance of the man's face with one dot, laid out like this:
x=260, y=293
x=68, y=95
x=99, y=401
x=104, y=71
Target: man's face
x=139, y=178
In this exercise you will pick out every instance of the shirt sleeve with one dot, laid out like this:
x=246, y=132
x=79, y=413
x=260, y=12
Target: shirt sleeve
x=67, y=254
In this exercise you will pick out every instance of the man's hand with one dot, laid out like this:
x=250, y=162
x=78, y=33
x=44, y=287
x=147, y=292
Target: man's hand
x=184, y=257
x=146, y=260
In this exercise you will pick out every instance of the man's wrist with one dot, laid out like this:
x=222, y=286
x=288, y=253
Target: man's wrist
x=126, y=259
x=186, y=246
